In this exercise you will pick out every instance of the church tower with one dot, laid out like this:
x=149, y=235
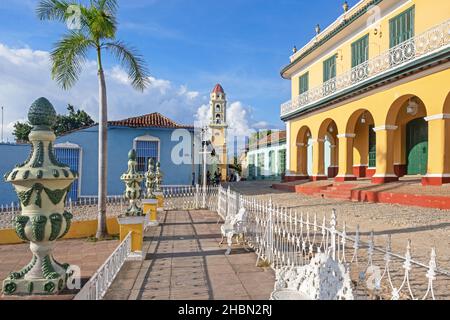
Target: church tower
x=218, y=125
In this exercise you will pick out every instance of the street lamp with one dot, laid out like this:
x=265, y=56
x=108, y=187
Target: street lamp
x=205, y=144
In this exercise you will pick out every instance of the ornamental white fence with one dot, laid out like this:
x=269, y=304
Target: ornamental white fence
x=99, y=283
x=286, y=238
x=427, y=43
x=86, y=208
x=281, y=238
x=190, y=198
x=175, y=198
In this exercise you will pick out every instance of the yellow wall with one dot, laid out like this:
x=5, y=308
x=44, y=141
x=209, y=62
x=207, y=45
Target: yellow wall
x=78, y=230
x=361, y=145
x=384, y=105
x=427, y=15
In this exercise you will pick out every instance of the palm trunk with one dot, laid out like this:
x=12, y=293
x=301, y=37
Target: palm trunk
x=103, y=151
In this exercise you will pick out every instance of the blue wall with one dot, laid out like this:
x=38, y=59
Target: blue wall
x=11, y=155
x=120, y=142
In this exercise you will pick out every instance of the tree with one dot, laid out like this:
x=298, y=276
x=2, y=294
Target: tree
x=98, y=28
x=74, y=120
x=236, y=165
x=21, y=131
x=63, y=124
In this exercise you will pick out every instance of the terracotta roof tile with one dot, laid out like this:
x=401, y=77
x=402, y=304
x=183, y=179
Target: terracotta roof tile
x=218, y=89
x=274, y=138
x=152, y=120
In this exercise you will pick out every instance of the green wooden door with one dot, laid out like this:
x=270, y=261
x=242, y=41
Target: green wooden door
x=372, y=147
x=417, y=146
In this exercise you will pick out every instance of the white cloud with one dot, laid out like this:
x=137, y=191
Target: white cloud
x=25, y=76
x=261, y=125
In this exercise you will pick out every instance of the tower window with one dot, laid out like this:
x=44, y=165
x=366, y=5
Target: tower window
x=218, y=108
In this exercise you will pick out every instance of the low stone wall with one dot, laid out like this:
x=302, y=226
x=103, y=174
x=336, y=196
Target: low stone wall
x=78, y=230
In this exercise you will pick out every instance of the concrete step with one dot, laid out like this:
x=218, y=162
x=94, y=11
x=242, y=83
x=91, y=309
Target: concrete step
x=337, y=196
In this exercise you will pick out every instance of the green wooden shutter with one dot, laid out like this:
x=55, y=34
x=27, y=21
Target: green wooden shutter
x=401, y=27
x=360, y=51
x=329, y=69
x=282, y=162
x=304, y=83
x=372, y=147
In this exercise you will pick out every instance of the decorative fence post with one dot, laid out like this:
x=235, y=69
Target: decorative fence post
x=150, y=203
x=270, y=227
x=42, y=184
x=158, y=186
x=333, y=224
x=197, y=191
x=133, y=220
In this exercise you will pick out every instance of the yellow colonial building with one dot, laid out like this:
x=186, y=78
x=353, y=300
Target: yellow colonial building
x=376, y=85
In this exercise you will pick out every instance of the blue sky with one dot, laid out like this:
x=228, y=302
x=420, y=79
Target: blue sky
x=189, y=45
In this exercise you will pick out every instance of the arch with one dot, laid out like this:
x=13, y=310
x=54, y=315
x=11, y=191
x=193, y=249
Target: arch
x=304, y=134
x=446, y=107
x=356, y=118
x=327, y=136
x=403, y=116
x=398, y=110
x=303, y=137
x=362, y=149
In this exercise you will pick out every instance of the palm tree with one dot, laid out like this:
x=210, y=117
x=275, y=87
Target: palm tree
x=98, y=27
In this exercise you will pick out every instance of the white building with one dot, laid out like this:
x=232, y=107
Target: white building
x=266, y=158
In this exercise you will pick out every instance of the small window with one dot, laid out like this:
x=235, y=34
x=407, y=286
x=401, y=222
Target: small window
x=360, y=51
x=304, y=83
x=218, y=108
x=329, y=69
x=401, y=27
x=146, y=150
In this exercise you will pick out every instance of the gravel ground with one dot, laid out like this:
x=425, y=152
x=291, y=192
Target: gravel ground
x=426, y=228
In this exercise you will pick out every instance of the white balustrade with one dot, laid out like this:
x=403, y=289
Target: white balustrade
x=99, y=283
x=427, y=43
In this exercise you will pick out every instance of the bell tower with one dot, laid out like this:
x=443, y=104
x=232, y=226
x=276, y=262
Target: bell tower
x=218, y=125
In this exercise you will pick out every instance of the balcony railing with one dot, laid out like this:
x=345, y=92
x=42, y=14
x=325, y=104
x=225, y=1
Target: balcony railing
x=424, y=44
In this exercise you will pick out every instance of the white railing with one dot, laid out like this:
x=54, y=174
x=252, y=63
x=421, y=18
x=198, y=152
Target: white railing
x=424, y=44
x=286, y=238
x=190, y=198
x=99, y=283
x=84, y=209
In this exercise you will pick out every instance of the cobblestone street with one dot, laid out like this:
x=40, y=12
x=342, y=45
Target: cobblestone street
x=184, y=261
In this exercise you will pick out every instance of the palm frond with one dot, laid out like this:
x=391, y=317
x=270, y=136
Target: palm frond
x=106, y=5
x=68, y=58
x=133, y=62
x=101, y=24
x=52, y=10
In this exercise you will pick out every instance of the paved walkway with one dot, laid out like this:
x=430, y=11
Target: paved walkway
x=184, y=262
x=89, y=256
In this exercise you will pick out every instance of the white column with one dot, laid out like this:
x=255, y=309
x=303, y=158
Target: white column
x=288, y=148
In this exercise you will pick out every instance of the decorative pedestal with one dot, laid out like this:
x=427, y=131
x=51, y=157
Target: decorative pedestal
x=135, y=225
x=42, y=184
x=151, y=210
x=160, y=197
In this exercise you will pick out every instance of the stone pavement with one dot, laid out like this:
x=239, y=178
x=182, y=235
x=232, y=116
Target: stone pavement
x=89, y=256
x=184, y=262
